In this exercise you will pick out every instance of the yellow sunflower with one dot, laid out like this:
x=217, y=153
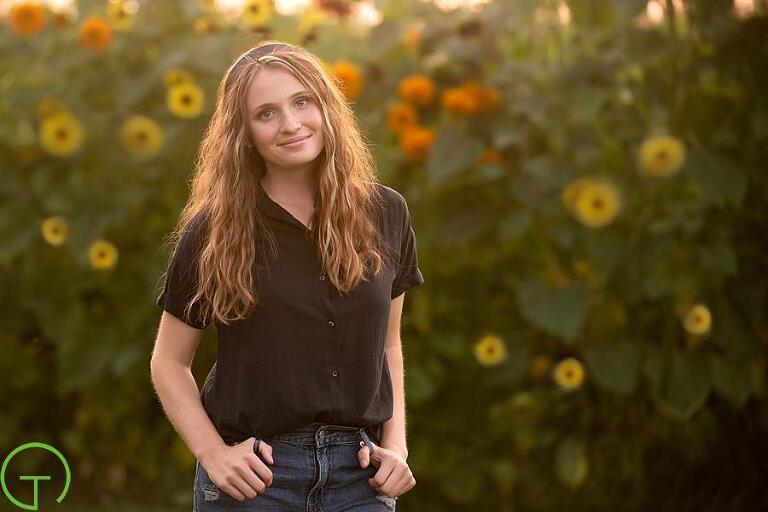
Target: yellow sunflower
x=401, y=116
x=102, y=254
x=415, y=141
x=185, y=100
x=48, y=106
x=489, y=350
x=61, y=134
x=417, y=89
x=122, y=14
x=141, y=136
x=176, y=76
x=95, y=33
x=661, y=156
x=698, y=320
x=311, y=19
x=484, y=98
x=257, y=13
x=568, y=374
x=350, y=77
x=54, y=229
x=597, y=204
x=27, y=18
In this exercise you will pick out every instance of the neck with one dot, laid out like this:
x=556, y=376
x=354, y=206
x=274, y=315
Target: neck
x=290, y=187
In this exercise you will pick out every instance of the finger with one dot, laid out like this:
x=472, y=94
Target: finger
x=265, y=450
x=255, y=485
x=382, y=474
x=405, y=483
x=363, y=455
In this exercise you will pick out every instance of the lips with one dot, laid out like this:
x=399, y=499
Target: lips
x=293, y=140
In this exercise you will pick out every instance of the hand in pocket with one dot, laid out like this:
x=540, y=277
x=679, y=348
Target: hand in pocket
x=240, y=470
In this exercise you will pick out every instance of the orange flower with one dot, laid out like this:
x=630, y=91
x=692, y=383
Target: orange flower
x=95, y=33
x=412, y=38
x=401, y=116
x=27, y=18
x=417, y=89
x=350, y=76
x=415, y=141
x=459, y=101
x=485, y=98
x=489, y=156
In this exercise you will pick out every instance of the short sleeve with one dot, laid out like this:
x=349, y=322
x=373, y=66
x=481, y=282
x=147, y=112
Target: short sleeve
x=408, y=273
x=181, y=278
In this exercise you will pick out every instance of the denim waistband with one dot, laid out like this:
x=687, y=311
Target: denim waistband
x=325, y=433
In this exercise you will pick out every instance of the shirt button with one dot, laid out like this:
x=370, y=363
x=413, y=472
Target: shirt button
x=320, y=434
x=331, y=324
x=335, y=373
x=322, y=278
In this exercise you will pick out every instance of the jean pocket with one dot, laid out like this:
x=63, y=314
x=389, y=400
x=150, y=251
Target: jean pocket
x=388, y=501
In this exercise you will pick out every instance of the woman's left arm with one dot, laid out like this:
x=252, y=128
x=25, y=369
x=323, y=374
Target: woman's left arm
x=393, y=430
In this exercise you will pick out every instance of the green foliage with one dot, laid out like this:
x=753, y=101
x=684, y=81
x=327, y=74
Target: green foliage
x=499, y=248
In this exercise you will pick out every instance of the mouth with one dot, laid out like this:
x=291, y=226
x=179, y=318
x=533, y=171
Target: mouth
x=295, y=142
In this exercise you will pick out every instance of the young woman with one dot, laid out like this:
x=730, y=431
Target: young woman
x=301, y=259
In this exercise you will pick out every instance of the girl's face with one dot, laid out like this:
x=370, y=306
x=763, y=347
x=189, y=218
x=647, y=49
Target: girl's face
x=280, y=109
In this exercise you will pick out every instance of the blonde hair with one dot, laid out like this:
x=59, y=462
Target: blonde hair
x=227, y=173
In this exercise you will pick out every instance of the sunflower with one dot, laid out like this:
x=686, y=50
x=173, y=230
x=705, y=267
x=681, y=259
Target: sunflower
x=185, y=100
x=102, y=254
x=141, y=136
x=48, y=106
x=54, y=229
x=485, y=98
x=489, y=350
x=459, y=101
x=61, y=134
x=27, y=18
x=176, y=76
x=661, y=156
x=122, y=14
x=95, y=33
x=415, y=141
x=257, y=13
x=310, y=20
x=401, y=116
x=698, y=320
x=597, y=204
x=350, y=77
x=417, y=89
x=568, y=374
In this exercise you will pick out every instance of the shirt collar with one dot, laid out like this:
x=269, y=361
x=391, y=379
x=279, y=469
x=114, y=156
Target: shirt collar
x=273, y=210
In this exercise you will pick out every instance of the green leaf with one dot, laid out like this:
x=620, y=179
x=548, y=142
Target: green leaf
x=453, y=151
x=571, y=464
x=614, y=366
x=686, y=387
x=730, y=379
x=560, y=311
x=720, y=180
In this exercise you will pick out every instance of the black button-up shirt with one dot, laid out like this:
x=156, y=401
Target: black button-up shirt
x=307, y=354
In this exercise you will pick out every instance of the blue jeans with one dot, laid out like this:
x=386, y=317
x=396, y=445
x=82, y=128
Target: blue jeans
x=316, y=469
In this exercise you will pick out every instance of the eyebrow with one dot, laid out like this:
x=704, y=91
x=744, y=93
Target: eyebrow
x=272, y=104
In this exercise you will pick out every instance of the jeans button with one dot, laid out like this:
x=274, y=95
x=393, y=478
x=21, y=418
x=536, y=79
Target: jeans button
x=331, y=324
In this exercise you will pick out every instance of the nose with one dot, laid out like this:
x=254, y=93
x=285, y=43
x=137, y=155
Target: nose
x=291, y=123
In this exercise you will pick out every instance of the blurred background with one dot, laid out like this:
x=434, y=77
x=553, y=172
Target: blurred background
x=587, y=181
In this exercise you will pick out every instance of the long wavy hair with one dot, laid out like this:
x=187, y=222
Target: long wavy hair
x=227, y=173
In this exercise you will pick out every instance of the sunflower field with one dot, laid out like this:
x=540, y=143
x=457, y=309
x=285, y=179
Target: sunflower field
x=587, y=181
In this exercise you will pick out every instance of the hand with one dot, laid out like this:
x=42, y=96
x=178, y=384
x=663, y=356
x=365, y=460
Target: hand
x=394, y=477
x=238, y=471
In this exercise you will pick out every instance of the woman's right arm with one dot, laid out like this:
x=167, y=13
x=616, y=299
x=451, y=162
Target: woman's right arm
x=171, y=369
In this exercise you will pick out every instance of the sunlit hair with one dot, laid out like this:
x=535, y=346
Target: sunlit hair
x=227, y=172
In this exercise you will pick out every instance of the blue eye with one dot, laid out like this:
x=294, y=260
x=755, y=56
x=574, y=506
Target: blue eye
x=303, y=98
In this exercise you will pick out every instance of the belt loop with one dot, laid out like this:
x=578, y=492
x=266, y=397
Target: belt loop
x=256, y=446
x=366, y=441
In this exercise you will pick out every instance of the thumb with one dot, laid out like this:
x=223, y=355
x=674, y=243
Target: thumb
x=363, y=456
